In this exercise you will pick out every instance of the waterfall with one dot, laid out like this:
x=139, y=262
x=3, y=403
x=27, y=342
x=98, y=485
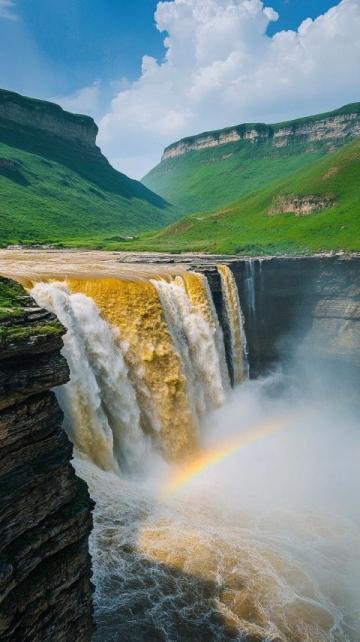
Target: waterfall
x=235, y=323
x=155, y=367
x=100, y=405
x=147, y=362
x=199, y=293
x=250, y=276
x=195, y=340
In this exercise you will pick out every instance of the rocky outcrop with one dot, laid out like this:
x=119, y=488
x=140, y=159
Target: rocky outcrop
x=47, y=117
x=300, y=205
x=45, y=510
x=340, y=125
x=7, y=165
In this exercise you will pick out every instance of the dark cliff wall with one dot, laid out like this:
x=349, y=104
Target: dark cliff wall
x=45, y=510
x=305, y=306
x=48, y=117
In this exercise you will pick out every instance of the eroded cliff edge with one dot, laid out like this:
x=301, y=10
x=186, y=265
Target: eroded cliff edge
x=45, y=510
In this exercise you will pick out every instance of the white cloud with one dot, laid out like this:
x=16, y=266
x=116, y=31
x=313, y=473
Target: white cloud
x=221, y=68
x=7, y=10
x=83, y=101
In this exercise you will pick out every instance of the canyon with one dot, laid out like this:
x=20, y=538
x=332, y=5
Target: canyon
x=175, y=315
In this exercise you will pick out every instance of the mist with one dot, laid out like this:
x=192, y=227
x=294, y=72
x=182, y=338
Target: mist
x=271, y=531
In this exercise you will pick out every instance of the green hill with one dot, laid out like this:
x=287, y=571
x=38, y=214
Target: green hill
x=56, y=186
x=209, y=170
x=314, y=209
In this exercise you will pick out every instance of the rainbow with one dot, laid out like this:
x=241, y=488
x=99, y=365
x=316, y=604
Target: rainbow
x=180, y=477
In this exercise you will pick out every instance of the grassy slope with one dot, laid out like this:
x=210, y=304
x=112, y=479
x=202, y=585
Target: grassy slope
x=59, y=193
x=209, y=178
x=245, y=227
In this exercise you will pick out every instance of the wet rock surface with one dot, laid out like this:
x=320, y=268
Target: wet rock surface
x=45, y=510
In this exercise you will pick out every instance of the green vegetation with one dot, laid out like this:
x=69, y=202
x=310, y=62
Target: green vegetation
x=11, y=298
x=209, y=178
x=9, y=334
x=56, y=188
x=56, y=191
x=14, y=325
x=252, y=226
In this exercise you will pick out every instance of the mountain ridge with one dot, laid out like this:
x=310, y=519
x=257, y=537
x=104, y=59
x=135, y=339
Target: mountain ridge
x=264, y=130
x=214, y=168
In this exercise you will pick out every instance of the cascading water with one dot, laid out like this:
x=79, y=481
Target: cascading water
x=235, y=323
x=250, y=283
x=146, y=358
x=195, y=340
x=199, y=293
x=102, y=413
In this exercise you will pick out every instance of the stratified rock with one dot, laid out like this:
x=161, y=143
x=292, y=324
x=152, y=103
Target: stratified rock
x=45, y=510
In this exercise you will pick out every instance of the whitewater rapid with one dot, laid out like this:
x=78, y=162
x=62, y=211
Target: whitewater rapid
x=251, y=547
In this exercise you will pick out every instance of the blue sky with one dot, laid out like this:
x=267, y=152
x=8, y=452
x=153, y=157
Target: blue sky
x=151, y=73
x=57, y=46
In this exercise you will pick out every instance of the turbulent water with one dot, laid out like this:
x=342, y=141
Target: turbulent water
x=259, y=542
x=262, y=546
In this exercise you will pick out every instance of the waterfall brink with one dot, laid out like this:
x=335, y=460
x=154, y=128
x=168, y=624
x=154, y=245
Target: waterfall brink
x=195, y=340
x=235, y=323
x=99, y=402
x=155, y=367
x=147, y=362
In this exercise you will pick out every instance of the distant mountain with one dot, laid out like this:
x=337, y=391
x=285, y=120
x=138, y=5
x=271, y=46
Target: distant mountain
x=315, y=209
x=57, y=187
x=214, y=168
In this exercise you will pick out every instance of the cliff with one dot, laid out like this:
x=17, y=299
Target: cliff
x=340, y=124
x=307, y=308
x=213, y=169
x=45, y=510
x=47, y=117
x=58, y=188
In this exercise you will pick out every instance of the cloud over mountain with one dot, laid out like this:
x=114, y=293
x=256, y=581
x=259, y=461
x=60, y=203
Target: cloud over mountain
x=221, y=68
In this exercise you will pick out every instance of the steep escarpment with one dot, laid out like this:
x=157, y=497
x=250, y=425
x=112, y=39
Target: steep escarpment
x=303, y=307
x=47, y=116
x=214, y=168
x=57, y=187
x=45, y=510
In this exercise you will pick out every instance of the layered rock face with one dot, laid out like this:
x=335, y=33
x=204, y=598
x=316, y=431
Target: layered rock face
x=308, y=306
x=47, y=117
x=301, y=205
x=298, y=308
x=45, y=510
x=339, y=125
